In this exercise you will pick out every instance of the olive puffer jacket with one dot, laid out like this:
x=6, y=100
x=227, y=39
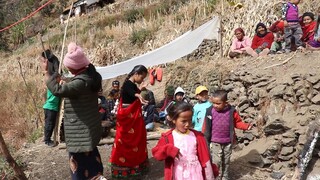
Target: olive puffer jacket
x=81, y=116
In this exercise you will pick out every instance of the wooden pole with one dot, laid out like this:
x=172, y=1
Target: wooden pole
x=12, y=163
x=56, y=132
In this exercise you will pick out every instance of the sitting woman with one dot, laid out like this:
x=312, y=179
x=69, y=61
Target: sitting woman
x=262, y=41
x=314, y=44
x=241, y=44
x=308, y=26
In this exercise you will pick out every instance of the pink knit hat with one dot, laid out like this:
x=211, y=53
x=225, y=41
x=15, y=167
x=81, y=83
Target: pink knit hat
x=75, y=58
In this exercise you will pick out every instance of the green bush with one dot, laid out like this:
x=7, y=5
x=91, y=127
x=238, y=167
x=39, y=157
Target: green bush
x=131, y=16
x=139, y=37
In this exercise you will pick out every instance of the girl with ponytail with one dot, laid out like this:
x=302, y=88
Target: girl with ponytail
x=129, y=155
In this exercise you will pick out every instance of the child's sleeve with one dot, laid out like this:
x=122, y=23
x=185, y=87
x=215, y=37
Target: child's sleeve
x=164, y=150
x=206, y=127
x=238, y=123
x=194, y=116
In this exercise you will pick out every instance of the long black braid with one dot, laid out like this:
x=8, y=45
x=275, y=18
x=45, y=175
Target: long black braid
x=97, y=79
x=139, y=69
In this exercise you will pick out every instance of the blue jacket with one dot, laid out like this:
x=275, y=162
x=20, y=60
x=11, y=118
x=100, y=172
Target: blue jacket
x=199, y=112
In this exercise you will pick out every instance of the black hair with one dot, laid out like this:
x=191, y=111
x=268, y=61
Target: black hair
x=175, y=109
x=48, y=55
x=221, y=94
x=139, y=69
x=310, y=14
x=115, y=82
x=96, y=77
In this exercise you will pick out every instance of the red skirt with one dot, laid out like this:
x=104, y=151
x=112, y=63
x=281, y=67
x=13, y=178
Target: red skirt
x=129, y=152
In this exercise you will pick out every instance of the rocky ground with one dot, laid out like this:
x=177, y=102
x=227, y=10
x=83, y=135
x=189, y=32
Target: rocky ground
x=280, y=94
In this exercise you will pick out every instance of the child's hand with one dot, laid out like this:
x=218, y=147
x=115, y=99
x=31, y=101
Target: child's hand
x=250, y=126
x=179, y=155
x=285, y=23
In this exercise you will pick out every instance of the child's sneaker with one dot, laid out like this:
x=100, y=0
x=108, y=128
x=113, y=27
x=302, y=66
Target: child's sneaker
x=281, y=51
x=287, y=51
x=272, y=52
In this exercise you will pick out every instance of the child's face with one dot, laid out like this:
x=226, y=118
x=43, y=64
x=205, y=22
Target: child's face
x=307, y=20
x=179, y=97
x=218, y=104
x=183, y=122
x=203, y=96
x=261, y=30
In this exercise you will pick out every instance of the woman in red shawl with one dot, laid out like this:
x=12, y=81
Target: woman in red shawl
x=308, y=25
x=262, y=41
x=129, y=156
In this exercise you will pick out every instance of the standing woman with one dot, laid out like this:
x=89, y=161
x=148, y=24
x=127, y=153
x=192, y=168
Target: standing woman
x=81, y=117
x=129, y=156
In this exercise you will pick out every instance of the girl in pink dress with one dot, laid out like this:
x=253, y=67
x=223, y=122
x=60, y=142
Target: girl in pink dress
x=184, y=150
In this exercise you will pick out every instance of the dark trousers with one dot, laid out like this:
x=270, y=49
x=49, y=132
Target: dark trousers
x=293, y=31
x=85, y=165
x=50, y=122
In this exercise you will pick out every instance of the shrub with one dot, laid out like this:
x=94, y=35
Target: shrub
x=131, y=16
x=139, y=37
x=107, y=21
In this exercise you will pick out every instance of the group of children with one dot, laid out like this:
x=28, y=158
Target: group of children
x=288, y=34
x=185, y=148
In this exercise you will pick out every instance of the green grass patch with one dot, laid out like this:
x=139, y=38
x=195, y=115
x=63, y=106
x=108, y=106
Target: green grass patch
x=140, y=36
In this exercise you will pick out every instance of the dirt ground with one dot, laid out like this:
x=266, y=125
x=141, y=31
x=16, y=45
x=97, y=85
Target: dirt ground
x=42, y=162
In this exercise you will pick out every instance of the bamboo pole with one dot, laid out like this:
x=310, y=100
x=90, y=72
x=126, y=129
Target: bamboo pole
x=56, y=132
x=12, y=163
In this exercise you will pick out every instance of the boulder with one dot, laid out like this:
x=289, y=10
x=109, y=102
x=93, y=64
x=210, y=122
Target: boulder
x=272, y=150
x=295, y=76
x=278, y=91
x=275, y=127
x=289, y=141
x=316, y=99
x=313, y=79
x=277, y=175
x=285, y=151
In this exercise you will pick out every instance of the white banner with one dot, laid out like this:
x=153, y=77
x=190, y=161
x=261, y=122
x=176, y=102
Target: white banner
x=182, y=46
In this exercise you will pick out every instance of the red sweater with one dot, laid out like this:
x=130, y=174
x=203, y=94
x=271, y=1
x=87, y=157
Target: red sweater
x=258, y=41
x=165, y=150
